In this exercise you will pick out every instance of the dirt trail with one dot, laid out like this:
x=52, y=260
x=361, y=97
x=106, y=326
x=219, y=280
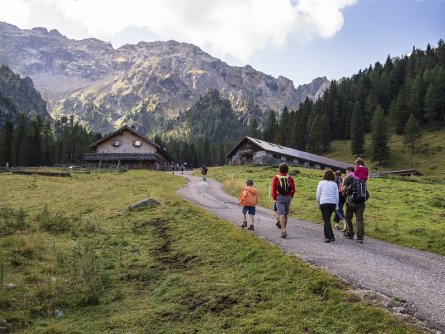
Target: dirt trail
x=404, y=274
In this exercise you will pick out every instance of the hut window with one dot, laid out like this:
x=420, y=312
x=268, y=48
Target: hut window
x=116, y=143
x=137, y=143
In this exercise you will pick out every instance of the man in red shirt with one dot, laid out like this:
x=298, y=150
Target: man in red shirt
x=283, y=190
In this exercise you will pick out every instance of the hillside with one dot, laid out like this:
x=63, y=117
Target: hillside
x=144, y=84
x=18, y=95
x=428, y=159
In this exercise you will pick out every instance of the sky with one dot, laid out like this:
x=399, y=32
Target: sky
x=298, y=39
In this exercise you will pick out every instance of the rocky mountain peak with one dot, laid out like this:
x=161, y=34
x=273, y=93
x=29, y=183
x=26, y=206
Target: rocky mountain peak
x=106, y=87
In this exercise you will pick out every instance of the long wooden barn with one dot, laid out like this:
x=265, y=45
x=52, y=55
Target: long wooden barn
x=259, y=152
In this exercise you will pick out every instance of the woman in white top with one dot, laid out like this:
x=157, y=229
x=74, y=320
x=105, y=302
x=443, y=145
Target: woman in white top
x=327, y=200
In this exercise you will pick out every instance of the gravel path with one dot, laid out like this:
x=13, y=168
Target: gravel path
x=405, y=274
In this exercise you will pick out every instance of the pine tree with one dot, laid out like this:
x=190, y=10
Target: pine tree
x=380, y=147
x=271, y=127
x=412, y=133
x=357, y=130
x=253, y=130
x=285, y=127
x=6, y=142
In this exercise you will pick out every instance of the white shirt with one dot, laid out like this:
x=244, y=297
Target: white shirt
x=327, y=192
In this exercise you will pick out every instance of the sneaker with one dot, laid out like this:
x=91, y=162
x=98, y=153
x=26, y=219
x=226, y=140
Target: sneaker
x=244, y=224
x=337, y=227
x=251, y=227
x=284, y=234
x=360, y=241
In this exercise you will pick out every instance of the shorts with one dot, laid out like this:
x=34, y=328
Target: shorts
x=249, y=209
x=283, y=204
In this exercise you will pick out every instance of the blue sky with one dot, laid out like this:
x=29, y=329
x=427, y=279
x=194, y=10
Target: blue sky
x=298, y=39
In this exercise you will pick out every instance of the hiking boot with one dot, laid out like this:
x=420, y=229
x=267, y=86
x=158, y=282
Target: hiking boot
x=244, y=224
x=251, y=227
x=360, y=241
x=284, y=234
x=277, y=224
x=347, y=235
x=337, y=227
x=328, y=240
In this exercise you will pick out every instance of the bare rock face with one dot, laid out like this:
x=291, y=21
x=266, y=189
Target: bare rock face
x=146, y=83
x=19, y=95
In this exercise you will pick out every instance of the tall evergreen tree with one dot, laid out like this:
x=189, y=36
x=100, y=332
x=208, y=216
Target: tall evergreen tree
x=270, y=127
x=357, y=131
x=253, y=130
x=380, y=147
x=6, y=142
x=285, y=128
x=412, y=133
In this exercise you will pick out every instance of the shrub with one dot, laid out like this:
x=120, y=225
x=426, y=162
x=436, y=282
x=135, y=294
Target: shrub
x=12, y=220
x=53, y=222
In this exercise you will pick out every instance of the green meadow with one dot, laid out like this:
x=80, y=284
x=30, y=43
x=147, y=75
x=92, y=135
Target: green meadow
x=405, y=211
x=75, y=259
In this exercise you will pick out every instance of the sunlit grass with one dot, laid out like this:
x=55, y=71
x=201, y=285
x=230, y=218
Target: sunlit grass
x=172, y=268
x=406, y=211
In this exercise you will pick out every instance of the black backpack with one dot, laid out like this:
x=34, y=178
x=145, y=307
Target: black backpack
x=357, y=191
x=283, y=185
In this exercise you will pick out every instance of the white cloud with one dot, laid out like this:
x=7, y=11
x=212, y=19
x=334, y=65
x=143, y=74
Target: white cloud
x=16, y=12
x=236, y=28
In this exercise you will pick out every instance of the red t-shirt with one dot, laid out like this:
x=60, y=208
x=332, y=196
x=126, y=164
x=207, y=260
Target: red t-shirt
x=275, y=184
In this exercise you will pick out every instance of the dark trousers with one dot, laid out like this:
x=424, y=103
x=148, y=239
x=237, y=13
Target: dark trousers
x=356, y=209
x=326, y=212
x=340, y=214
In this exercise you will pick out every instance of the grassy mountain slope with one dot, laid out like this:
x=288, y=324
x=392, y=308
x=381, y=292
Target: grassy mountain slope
x=83, y=263
x=429, y=156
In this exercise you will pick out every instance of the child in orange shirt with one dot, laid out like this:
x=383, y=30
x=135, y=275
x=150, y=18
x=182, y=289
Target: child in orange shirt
x=249, y=200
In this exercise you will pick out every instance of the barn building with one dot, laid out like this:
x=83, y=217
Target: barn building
x=259, y=152
x=125, y=148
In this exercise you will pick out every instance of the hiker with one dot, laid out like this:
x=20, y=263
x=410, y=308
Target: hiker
x=327, y=200
x=354, y=206
x=283, y=190
x=173, y=168
x=249, y=199
x=339, y=213
x=204, y=170
x=361, y=171
x=182, y=169
x=277, y=216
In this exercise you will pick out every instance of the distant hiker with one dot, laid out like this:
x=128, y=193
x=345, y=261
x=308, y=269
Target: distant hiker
x=361, y=171
x=357, y=195
x=182, y=169
x=327, y=200
x=339, y=213
x=283, y=190
x=173, y=168
x=204, y=170
x=249, y=199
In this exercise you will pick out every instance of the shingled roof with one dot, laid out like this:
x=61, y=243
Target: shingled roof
x=291, y=152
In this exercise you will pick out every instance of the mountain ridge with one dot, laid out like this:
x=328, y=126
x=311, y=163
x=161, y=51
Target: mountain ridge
x=106, y=87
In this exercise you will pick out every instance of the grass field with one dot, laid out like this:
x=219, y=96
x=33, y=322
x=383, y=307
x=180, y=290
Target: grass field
x=406, y=211
x=82, y=262
x=429, y=156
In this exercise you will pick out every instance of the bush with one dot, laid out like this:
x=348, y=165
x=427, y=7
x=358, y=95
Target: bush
x=53, y=222
x=12, y=220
